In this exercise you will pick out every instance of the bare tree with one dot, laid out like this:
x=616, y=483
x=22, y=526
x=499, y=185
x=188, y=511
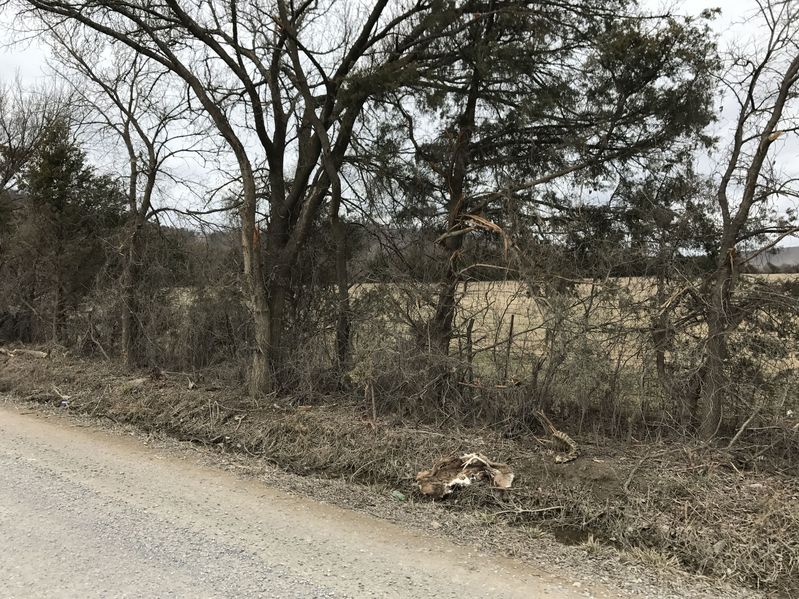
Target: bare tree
x=136, y=100
x=25, y=115
x=763, y=83
x=240, y=62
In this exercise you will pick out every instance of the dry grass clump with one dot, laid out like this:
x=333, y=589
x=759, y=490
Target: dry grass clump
x=719, y=521
x=695, y=509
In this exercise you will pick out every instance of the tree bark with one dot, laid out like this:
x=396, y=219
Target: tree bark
x=714, y=381
x=137, y=217
x=278, y=288
x=343, y=315
x=265, y=325
x=440, y=327
x=131, y=319
x=260, y=376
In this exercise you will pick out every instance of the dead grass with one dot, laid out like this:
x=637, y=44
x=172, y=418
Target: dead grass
x=671, y=506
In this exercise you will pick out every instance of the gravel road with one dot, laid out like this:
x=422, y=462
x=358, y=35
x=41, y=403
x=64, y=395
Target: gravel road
x=86, y=513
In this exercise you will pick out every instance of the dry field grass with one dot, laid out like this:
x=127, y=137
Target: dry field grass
x=504, y=315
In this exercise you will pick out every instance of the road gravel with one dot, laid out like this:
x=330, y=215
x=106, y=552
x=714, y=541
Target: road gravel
x=87, y=513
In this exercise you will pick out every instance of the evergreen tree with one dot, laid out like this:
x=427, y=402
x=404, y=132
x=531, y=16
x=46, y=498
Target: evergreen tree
x=69, y=211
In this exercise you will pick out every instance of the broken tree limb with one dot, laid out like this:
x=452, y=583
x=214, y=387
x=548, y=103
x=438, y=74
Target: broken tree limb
x=33, y=353
x=537, y=511
x=61, y=395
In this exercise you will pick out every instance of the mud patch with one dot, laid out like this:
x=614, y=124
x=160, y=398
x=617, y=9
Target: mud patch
x=570, y=535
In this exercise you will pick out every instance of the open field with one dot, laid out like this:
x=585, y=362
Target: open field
x=586, y=353
x=615, y=305
x=592, y=342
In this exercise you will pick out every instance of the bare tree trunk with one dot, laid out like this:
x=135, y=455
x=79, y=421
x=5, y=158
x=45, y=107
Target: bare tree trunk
x=440, y=327
x=131, y=274
x=265, y=325
x=260, y=377
x=268, y=275
x=344, y=315
x=713, y=384
x=332, y=157
x=131, y=319
x=277, y=293
x=714, y=381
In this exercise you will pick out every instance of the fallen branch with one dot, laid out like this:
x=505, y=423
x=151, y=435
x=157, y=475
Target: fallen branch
x=97, y=343
x=743, y=427
x=33, y=353
x=61, y=395
x=537, y=511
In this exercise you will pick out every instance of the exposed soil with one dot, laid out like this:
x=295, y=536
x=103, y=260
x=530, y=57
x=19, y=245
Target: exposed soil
x=661, y=519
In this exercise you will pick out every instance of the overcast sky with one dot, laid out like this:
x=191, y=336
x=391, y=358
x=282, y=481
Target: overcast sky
x=28, y=60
